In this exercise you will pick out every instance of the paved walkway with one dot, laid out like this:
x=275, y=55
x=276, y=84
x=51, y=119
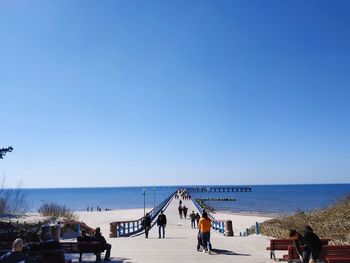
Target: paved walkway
x=179, y=244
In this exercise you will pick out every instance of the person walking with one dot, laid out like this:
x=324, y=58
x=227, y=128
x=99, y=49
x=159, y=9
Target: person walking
x=197, y=218
x=180, y=211
x=184, y=210
x=193, y=219
x=146, y=223
x=161, y=223
x=205, y=226
x=312, y=248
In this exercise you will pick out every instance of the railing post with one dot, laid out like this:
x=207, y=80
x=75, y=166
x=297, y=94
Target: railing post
x=118, y=229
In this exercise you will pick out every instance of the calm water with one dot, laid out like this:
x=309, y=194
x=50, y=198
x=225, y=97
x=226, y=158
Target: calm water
x=262, y=199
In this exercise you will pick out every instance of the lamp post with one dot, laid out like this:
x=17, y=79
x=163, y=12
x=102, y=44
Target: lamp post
x=154, y=197
x=144, y=201
x=208, y=194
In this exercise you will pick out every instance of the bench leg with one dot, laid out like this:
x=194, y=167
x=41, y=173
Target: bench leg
x=81, y=254
x=98, y=257
x=272, y=255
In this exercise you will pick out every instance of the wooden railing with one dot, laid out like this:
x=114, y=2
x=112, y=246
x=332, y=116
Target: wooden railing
x=134, y=227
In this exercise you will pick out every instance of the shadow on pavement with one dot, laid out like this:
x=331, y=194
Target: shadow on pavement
x=113, y=260
x=228, y=252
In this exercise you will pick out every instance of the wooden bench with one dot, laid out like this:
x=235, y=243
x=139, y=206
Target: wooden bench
x=336, y=254
x=283, y=244
x=83, y=247
x=45, y=256
x=68, y=247
x=329, y=253
x=337, y=260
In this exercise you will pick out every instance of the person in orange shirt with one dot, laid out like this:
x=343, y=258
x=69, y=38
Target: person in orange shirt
x=204, y=226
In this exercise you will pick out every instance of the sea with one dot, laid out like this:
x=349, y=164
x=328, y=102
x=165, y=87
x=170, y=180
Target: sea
x=263, y=199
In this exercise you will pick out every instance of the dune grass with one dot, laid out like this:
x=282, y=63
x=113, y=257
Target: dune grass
x=332, y=222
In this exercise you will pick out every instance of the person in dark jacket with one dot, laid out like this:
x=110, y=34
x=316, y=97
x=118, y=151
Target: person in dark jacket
x=161, y=223
x=197, y=218
x=312, y=242
x=98, y=237
x=180, y=211
x=184, y=211
x=16, y=255
x=193, y=219
x=84, y=237
x=146, y=223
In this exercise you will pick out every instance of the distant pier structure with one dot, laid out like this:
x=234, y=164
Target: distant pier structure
x=218, y=189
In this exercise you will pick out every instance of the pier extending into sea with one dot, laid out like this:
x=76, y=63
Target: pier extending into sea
x=218, y=189
x=179, y=244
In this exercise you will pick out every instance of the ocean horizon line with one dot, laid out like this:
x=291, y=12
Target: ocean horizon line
x=172, y=186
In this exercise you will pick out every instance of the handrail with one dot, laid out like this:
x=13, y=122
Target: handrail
x=134, y=227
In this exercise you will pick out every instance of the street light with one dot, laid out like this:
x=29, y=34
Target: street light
x=144, y=201
x=154, y=197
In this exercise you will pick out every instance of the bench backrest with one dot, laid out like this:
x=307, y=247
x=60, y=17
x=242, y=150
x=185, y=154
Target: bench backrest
x=338, y=250
x=82, y=247
x=282, y=244
x=327, y=250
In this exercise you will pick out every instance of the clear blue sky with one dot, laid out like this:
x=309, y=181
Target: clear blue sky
x=114, y=93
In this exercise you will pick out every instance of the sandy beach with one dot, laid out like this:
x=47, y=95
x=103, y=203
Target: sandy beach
x=179, y=245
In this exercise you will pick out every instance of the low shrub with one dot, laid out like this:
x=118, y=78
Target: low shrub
x=56, y=210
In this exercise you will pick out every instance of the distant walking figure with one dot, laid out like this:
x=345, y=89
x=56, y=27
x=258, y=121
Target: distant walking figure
x=180, y=211
x=193, y=219
x=205, y=226
x=161, y=223
x=146, y=223
x=184, y=210
x=197, y=219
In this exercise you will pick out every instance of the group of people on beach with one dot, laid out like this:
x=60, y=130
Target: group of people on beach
x=98, y=209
